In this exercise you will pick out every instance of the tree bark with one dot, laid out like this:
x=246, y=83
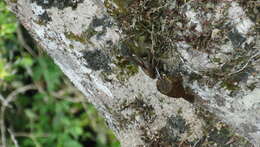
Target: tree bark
x=152, y=69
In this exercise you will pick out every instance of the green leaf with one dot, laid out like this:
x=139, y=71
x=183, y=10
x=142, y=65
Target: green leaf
x=72, y=143
x=51, y=73
x=30, y=114
x=3, y=71
x=25, y=61
x=116, y=144
x=76, y=131
x=7, y=29
x=39, y=95
x=46, y=69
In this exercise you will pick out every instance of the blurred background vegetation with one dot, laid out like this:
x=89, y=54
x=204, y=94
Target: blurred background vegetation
x=39, y=106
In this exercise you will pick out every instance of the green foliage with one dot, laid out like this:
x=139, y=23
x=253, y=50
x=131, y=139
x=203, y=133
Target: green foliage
x=54, y=114
x=8, y=25
x=47, y=71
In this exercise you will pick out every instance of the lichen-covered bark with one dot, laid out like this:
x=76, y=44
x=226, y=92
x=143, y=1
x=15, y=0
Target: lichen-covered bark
x=133, y=58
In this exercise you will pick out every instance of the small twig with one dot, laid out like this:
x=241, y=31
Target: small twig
x=2, y=98
x=183, y=141
x=196, y=143
x=11, y=97
x=152, y=33
x=3, y=101
x=230, y=141
x=33, y=137
x=13, y=138
x=157, y=73
x=23, y=42
x=23, y=134
x=2, y=126
x=60, y=94
x=248, y=61
x=190, y=68
x=72, y=100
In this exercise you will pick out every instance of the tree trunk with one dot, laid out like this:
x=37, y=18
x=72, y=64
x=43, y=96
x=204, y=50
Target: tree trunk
x=152, y=67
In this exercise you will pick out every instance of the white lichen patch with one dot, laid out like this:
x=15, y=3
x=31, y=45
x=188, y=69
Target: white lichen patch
x=99, y=85
x=244, y=26
x=195, y=124
x=199, y=61
x=113, y=35
x=101, y=41
x=37, y=10
x=227, y=48
x=40, y=31
x=80, y=18
x=239, y=19
x=235, y=13
x=219, y=11
x=251, y=101
x=256, y=136
x=192, y=16
x=204, y=92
